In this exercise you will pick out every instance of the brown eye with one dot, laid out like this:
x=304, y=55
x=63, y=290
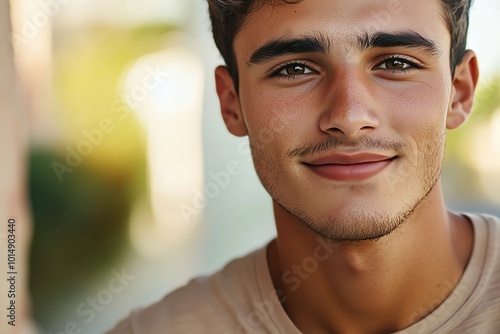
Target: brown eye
x=395, y=64
x=294, y=69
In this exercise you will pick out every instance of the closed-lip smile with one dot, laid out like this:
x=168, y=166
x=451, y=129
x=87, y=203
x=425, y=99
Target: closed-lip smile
x=349, y=167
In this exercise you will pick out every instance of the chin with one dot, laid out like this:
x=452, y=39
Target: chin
x=350, y=219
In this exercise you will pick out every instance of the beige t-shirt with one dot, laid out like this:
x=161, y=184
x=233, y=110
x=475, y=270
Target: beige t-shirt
x=241, y=298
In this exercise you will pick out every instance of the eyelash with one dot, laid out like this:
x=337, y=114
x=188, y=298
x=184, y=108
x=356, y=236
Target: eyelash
x=412, y=65
x=276, y=73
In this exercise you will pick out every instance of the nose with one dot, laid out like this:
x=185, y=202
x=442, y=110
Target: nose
x=351, y=110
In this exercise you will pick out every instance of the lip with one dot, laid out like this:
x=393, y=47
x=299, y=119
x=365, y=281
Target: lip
x=352, y=167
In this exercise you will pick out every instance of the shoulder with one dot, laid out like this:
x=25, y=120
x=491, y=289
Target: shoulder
x=205, y=304
x=483, y=304
x=489, y=219
x=485, y=259
x=486, y=238
x=486, y=228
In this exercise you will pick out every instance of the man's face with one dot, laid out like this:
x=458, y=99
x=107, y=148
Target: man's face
x=345, y=105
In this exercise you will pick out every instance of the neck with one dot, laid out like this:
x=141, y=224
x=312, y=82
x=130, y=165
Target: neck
x=370, y=286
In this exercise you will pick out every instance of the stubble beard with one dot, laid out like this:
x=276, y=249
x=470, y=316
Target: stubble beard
x=360, y=226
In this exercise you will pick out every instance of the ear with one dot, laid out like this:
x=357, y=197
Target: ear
x=229, y=102
x=464, y=86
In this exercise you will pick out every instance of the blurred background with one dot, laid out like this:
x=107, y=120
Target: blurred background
x=132, y=176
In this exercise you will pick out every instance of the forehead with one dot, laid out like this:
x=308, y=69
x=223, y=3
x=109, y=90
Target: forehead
x=343, y=21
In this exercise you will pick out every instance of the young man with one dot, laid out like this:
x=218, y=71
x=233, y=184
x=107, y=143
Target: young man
x=346, y=116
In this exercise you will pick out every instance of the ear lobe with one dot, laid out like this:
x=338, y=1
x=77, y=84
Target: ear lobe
x=464, y=86
x=229, y=102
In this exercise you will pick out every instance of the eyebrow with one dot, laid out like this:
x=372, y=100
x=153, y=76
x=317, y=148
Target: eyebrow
x=281, y=47
x=319, y=43
x=409, y=39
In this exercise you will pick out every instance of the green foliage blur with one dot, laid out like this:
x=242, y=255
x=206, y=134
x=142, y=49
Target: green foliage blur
x=80, y=218
x=462, y=180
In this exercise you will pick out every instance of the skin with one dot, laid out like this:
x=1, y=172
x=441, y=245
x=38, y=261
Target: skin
x=397, y=251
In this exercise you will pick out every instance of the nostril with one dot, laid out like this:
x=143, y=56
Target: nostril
x=333, y=129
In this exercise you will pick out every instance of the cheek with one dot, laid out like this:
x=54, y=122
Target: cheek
x=419, y=115
x=278, y=119
x=420, y=108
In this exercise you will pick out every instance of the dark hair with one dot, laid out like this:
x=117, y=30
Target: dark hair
x=456, y=14
x=227, y=17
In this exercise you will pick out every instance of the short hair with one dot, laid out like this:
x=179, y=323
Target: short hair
x=227, y=17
